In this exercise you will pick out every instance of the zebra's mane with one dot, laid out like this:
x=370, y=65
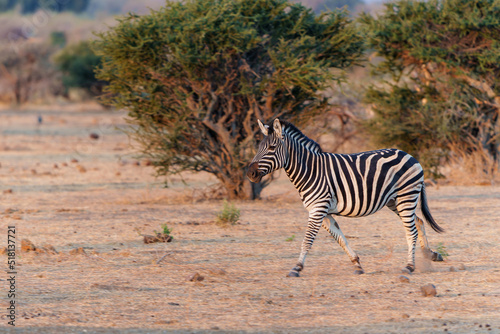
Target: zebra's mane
x=297, y=135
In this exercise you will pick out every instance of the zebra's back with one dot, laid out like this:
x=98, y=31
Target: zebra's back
x=363, y=183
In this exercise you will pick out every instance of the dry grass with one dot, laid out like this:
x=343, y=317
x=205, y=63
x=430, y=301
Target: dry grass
x=117, y=284
x=466, y=169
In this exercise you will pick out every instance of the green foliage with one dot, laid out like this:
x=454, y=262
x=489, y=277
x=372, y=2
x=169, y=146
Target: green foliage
x=290, y=239
x=165, y=230
x=229, y=215
x=441, y=63
x=441, y=250
x=196, y=75
x=78, y=64
x=58, y=38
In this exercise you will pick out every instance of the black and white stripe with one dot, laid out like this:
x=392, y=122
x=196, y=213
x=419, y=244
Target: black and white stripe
x=353, y=185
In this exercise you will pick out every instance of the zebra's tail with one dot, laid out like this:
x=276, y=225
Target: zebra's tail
x=427, y=213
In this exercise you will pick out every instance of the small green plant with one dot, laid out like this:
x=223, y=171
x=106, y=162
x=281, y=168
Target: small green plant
x=441, y=250
x=292, y=238
x=229, y=215
x=165, y=230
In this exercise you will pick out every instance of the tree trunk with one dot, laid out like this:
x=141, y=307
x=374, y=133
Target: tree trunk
x=239, y=187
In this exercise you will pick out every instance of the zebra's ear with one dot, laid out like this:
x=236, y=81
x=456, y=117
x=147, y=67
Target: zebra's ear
x=277, y=128
x=263, y=127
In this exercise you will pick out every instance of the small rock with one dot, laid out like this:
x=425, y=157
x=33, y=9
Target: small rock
x=405, y=316
x=94, y=136
x=195, y=277
x=149, y=239
x=77, y=251
x=461, y=266
x=452, y=269
x=33, y=171
x=428, y=290
x=8, y=191
x=40, y=251
x=403, y=279
x=50, y=249
x=64, y=164
x=218, y=272
x=27, y=246
x=56, y=166
x=81, y=169
x=74, y=160
x=3, y=250
x=159, y=237
x=147, y=162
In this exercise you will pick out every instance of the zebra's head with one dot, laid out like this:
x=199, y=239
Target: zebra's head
x=271, y=154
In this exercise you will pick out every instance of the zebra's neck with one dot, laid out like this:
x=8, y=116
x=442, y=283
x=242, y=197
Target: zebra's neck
x=303, y=153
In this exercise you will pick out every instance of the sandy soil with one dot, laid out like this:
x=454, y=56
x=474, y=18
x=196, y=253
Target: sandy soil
x=103, y=202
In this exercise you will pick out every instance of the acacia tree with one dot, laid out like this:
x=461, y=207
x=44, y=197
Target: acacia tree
x=196, y=75
x=442, y=62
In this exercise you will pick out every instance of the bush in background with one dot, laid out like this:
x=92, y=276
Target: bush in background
x=441, y=64
x=78, y=64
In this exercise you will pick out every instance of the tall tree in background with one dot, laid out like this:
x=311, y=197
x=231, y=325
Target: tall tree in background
x=441, y=59
x=195, y=77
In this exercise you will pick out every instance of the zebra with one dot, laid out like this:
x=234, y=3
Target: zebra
x=351, y=185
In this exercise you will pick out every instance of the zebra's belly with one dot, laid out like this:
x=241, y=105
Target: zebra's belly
x=358, y=208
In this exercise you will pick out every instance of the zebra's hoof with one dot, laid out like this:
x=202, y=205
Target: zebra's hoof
x=436, y=257
x=293, y=273
x=359, y=272
x=407, y=270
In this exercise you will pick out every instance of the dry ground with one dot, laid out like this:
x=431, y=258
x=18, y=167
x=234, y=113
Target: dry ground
x=104, y=200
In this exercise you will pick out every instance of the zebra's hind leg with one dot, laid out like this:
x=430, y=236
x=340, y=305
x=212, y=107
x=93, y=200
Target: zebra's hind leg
x=428, y=252
x=315, y=219
x=422, y=237
x=405, y=209
x=333, y=228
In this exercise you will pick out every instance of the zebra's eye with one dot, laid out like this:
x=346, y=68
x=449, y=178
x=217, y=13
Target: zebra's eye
x=272, y=147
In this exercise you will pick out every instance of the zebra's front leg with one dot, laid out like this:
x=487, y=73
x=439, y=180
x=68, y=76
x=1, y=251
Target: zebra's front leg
x=315, y=220
x=333, y=228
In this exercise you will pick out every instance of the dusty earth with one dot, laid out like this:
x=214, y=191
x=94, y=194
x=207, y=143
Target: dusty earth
x=91, y=200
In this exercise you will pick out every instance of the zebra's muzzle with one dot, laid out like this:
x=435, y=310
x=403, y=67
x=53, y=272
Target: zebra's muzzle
x=253, y=172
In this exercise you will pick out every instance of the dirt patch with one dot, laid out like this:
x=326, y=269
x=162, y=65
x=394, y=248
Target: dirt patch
x=114, y=283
